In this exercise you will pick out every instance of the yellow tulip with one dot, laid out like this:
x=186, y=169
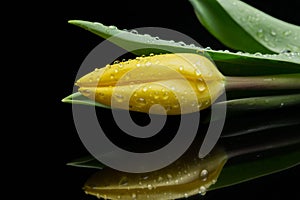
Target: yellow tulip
x=180, y=83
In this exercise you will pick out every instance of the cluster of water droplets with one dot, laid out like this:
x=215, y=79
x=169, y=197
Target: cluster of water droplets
x=270, y=34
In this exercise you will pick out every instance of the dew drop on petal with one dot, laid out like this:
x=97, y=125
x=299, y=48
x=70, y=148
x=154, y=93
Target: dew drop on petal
x=202, y=190
x=201, y=86
x=145, y=89
x=204, y=174
x=197, y=72
x=141, y=101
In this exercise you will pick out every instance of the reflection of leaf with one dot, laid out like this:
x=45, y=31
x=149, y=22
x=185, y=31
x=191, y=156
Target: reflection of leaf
x=87, y=162
x=245, y=28
x=259, y=154
x=231, y=64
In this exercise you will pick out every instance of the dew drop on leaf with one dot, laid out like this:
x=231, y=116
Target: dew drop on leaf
x=260, y=33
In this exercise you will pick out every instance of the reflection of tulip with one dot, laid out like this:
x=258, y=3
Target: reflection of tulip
x=181, y=83
x=187, y=176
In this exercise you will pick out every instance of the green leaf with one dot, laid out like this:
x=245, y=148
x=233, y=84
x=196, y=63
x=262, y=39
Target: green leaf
x=242, y=27
x=78, y=98
x=229, y=63
x=234, y=107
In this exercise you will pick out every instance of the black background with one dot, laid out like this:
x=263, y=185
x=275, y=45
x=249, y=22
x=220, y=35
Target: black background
x=57, y=142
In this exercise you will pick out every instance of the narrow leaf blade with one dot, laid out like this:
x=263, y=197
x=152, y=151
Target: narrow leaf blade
x=229, y=63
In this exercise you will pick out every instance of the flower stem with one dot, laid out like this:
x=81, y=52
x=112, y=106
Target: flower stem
x=275, y=82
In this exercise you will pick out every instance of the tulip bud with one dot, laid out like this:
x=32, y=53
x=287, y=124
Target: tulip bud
x=180, y=83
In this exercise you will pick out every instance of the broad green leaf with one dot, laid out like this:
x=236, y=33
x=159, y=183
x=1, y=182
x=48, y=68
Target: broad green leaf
x=242, y=27
x=229, y=63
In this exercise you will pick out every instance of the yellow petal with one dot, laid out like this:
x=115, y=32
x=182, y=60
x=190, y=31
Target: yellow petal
x=180, y=83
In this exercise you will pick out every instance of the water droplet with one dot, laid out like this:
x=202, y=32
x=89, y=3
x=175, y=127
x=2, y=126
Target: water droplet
x=260, y=33
x=180, y=68
x=149, y=186
x=119, y=197
x=98, y=23
x=116, y=70
x=281, y=104
x=197, y=72
x=156, y=95
x=176, y=181
x=112, y=27
x=273, y=33
x=138, y=64
x=287, y=33
x=201, y=86
x=141, y=101
x=134, y=31
x=145, y=89
x=181, y=43
x=204, y=174
x=98, y=195
x=112, y=76
x=156, y=38
x=169, y=176
x=202, y=190
x=172, y=87
x=258, y=54
x=213, y=181
x=207, y=48
x=186, y=195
